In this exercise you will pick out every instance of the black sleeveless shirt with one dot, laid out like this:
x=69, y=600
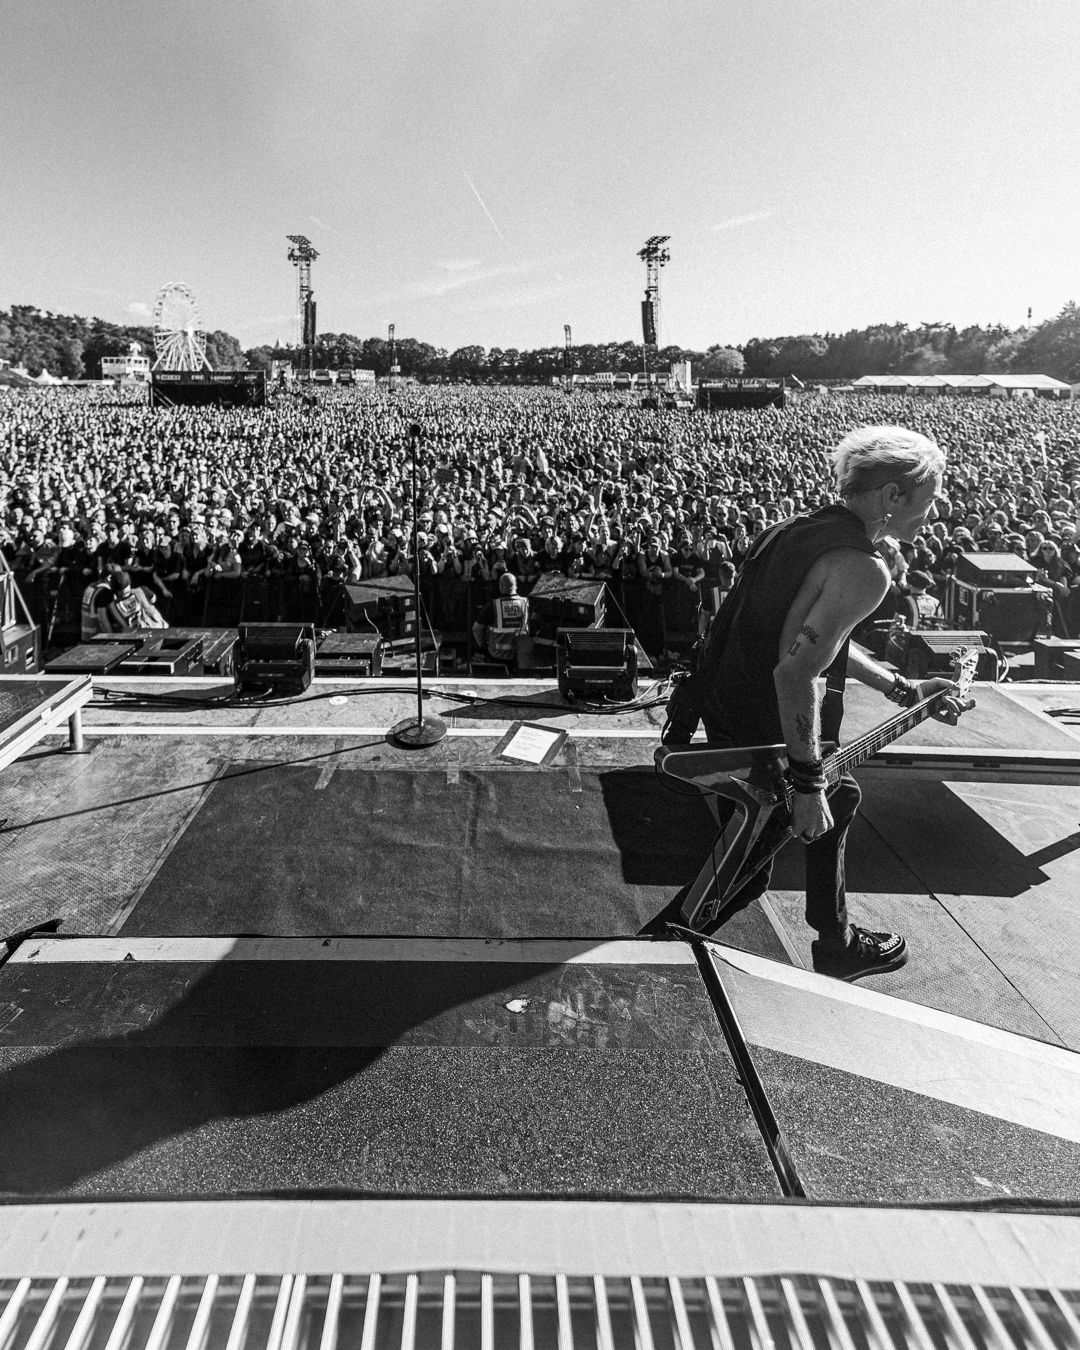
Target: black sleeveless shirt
x=735, y=685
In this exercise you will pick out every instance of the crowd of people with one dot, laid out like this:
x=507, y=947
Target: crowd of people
x=316, y=488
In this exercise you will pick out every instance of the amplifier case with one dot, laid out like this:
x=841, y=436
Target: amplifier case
x=1015, y=614
x=1051, y=655
x=399, y=655
x=218, y=645
x=165, y=655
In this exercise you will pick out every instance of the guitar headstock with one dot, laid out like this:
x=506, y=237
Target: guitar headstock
x=965, y=664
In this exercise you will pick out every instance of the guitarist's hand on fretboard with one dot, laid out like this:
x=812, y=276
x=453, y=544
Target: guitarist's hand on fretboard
x=951, y=708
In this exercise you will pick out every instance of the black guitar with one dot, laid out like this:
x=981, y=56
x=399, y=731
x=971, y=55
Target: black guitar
x=754, y=779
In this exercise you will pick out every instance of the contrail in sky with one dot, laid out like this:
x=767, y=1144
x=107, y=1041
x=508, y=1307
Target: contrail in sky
x=741, y=220
x=483, y=204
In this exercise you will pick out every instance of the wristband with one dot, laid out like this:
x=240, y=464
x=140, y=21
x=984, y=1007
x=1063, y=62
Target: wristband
x=903, y=692
x=807, y=776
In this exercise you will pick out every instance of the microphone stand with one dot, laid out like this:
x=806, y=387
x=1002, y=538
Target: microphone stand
x=415, y=733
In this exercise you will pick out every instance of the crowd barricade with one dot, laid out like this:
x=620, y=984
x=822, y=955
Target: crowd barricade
x=227, y=602
x=54, y=602
x=662, y=615
x=1067, y=614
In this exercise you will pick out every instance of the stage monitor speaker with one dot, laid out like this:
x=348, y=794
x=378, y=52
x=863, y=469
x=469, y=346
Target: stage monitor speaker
x=561, y=602
x=596, y=664
x=930, y=651
x=648, y=322
x=349, y=656
x=275, y=656
x=385, y=603
x=994, y=570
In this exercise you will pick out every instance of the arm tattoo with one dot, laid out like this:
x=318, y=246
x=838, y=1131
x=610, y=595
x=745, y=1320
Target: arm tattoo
x=804, y=727
x=807, y=632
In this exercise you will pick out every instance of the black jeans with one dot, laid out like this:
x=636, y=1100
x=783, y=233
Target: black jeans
x=826, y=886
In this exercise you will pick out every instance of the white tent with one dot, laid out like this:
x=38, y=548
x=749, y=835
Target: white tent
x=999, y=386
x=1012, y=384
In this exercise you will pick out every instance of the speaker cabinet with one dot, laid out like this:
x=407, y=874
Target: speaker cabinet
x=387, y=604
x=1003, y=571
x=349, y=656
x=929, y=653
x=277, y=656
x=595, y=664
x=648, y=322
x=558, y=602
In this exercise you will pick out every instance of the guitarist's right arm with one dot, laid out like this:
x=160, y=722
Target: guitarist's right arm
x=841, y=589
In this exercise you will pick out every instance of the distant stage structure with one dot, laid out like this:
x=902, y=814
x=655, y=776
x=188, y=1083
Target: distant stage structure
x=179, y=340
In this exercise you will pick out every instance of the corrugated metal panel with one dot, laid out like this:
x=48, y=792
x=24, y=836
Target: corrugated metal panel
x=442, y=1311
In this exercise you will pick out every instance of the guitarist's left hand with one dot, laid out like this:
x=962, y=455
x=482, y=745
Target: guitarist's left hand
x=951, y=708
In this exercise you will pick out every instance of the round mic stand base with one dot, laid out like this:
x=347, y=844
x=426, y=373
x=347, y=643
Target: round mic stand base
x=417, y=732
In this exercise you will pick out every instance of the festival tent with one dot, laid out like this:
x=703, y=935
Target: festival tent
x=901, y=382
x=965, y=381
x=1000, y=386
x=1005, y=386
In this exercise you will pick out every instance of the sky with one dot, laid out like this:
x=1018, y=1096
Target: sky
x=485, y=171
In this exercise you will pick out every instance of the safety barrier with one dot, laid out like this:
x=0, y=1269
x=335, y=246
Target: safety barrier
x=532, y=1311
x=664, y=616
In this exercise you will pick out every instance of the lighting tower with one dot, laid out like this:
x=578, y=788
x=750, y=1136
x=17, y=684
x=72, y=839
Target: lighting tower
x=395, y=369
x=568, y=359
x=654, y=255
x=302, y=255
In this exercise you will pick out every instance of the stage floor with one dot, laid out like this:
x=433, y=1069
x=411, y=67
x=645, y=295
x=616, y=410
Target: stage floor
x=302, y=820
x=293, y=958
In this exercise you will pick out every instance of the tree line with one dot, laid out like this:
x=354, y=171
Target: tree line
x=68, y=345
x=73, y=346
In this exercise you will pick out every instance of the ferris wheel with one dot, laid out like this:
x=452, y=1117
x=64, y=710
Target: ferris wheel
x=179, y=342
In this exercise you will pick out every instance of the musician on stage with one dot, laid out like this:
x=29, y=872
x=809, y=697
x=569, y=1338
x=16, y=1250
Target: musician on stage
x=805, y=584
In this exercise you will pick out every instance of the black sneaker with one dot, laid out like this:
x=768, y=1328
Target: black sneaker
x=867, y=954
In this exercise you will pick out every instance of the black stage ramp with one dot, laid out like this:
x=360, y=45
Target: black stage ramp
x=980, y=872
x=228, y=1067
x=465, y=852
x=880, y=1100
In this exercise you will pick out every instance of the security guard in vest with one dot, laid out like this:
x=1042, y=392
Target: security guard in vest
x=918, y=608
x=502, y=621
x=129, y=607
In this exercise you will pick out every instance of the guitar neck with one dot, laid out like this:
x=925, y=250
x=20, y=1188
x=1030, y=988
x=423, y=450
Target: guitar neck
x=851, y=756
